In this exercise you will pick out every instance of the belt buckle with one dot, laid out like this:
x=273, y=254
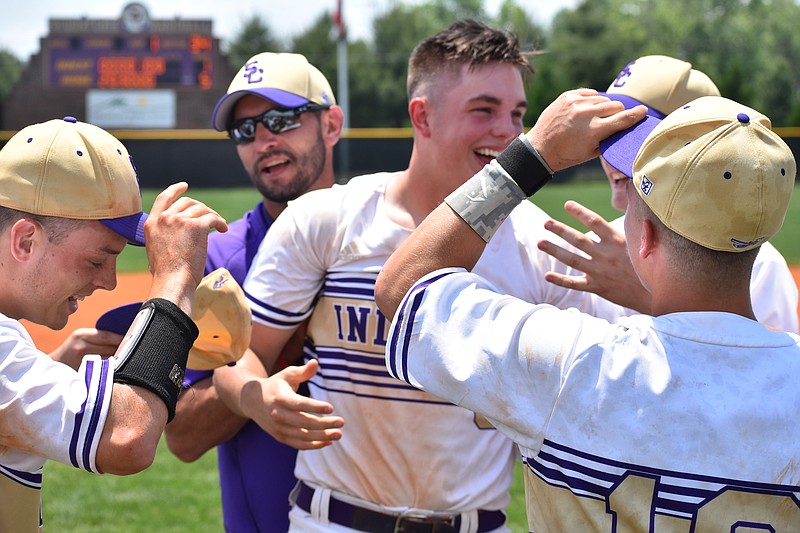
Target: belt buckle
x=437, y=524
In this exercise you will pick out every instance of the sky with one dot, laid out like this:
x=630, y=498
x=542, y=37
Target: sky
x=23, y=23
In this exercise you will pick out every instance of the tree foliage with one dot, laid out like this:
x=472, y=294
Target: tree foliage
x=748, y=47
x=10, y=70
x=254, y=37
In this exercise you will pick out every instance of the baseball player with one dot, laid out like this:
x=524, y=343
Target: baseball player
x=69, y=202
x=281, y=113
x=671, y=422
x=377, y=455
x=663, y=84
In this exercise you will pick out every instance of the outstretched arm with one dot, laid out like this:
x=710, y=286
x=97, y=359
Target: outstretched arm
x=203, y=420
x=568, y=132
x=273, y=402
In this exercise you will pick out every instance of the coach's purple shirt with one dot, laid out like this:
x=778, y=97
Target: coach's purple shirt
x=256, y=472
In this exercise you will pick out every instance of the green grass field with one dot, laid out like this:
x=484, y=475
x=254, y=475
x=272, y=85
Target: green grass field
x=231, y=203
x=175, y=497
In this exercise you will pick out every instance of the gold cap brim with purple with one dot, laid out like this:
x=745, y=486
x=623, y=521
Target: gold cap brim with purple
x=661, y=83
x=70, y=169
x=712, y=171
x=288, y=80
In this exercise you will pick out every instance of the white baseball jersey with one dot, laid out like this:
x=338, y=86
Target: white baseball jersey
x=773, y=290
x=683, y=422
x=401, y=448
x=47, y=411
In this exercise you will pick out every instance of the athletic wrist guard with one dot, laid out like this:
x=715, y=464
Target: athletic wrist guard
x=524, y=164
x=153, y=353
x=487, y=198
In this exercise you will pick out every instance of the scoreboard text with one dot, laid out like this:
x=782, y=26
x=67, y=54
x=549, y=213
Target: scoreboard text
x=131, y=61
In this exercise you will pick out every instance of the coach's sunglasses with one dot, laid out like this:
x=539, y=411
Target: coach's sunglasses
x=277, y=121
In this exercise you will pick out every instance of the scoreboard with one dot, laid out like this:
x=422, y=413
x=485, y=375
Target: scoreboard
x=130, y=61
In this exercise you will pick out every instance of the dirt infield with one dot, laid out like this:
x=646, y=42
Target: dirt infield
x=130, y=288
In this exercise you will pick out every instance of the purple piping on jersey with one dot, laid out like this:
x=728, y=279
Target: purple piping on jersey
x=92, y=429
x=674, y=499
x=29, y=479
x=393, y=335
x=292, y=319
x=378, y=370
x=752, y=486
x=76, y=428
x=349, y=286
x=419, y=291
x=312, y=383
x=269, y=320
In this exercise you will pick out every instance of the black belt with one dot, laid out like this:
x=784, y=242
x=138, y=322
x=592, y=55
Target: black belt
x=355, y=517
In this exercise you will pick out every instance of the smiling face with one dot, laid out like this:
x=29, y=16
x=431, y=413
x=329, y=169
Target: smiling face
x=472, y=116
x=618, y=182
x=282, y=166
x=58, y=275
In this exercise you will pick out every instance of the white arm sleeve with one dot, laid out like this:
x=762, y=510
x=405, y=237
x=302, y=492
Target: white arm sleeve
x=46, y=408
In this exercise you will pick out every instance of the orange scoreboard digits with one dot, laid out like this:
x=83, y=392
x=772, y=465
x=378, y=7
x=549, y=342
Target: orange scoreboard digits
x=131, y=62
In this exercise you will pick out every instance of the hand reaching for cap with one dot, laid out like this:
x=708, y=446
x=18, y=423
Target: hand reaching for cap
x=569, y=130
x=176, y=236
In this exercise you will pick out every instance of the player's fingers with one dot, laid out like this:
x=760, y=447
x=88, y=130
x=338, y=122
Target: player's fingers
x=576, y=238
x=304, y=421
x=578, y=283
x=295, y=375
x=188, y=207
x=567, y=257
x=311, y=440
x=590, y=219
x=107, y=338
x=300, y=430
x=585, y=91
x=303, y=404
x=620, y=119
x=167, y=197
x=187, y=212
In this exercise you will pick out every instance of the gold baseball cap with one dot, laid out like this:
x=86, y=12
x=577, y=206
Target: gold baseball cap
x=70, y=169
x=662, y=83
x=224, y=320
x=222, y=316
x=712, y=171
x=289, y=80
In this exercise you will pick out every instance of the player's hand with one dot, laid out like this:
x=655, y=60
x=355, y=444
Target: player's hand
x=85, y=341
x=608, y=269
x=569, y=130
x=176, y=236
x=293, y=419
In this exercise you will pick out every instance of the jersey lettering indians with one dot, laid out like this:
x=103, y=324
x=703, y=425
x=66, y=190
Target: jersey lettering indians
x=401, y=447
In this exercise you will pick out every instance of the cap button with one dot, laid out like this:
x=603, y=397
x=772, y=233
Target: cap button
x=743, y=118
x=70, y=119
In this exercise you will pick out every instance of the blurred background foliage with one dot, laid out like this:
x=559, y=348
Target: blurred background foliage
x=750, y=48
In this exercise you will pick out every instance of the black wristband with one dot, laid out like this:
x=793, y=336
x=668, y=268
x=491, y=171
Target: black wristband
x=158, y=346
x=524, y=167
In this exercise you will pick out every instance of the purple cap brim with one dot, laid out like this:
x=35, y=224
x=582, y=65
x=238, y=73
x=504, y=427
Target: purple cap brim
x=130, y=227
x=630, y=103
x=620, y=149
x=119, y=319
x=222, y=112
